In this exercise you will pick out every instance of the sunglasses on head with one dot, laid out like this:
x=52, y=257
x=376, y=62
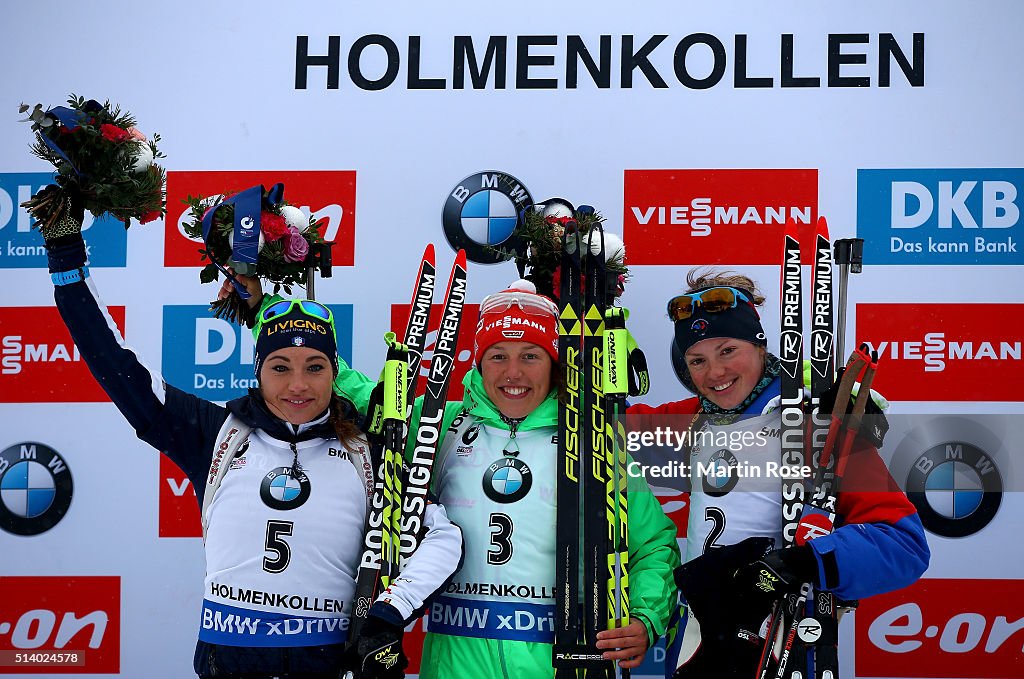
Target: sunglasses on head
x=530, y=304
x=712, y=301
x=306, y=306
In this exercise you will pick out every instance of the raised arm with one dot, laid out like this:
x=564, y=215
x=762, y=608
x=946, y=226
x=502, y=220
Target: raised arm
x=166, y=418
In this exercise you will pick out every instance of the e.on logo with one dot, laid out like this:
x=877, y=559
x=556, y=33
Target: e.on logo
x=38, y=361
x=931, y=354
x=972, y=629
x=61, y=615
x=463, y=350
x=703, y=216
x=329, y=195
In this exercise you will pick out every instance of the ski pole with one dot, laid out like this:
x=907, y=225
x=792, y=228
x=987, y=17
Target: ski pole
x=849, y=256
x=616, y=350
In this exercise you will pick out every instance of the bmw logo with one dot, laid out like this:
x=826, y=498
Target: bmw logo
x=720, y=477
x=481, y=214
x=281, y=490
x=956, y=488
x=35, y=488
x=507, y=480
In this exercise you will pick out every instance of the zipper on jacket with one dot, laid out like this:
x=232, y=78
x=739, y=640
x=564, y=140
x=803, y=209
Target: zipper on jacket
x=296, y=469
x=511, y=448
x=501, y=659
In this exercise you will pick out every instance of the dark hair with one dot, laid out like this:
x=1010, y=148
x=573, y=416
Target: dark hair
x=708, y=277
x=342, y=423
x=558, y=384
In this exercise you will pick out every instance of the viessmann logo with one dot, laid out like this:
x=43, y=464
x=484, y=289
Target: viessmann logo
x=701, y=216
x=970, y=629
x=213, y=359
x=38, y=361
x=329, y=195
x=76, y=615
x=931, y=354
x=949, y=216
x=21, y=246
x=179, y=510
x=463, y=350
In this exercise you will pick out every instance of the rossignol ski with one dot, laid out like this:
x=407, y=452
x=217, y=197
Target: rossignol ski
x=428, y=432
x=818, y=514
x=823, y=654
x=791, y=354
x=803, y=630
x=368, y=578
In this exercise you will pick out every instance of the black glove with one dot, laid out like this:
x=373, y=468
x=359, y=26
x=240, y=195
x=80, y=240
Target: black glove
x=712, y=594
x=377, y=653
x=58, y=210
x=728, y=649
x=777, y=574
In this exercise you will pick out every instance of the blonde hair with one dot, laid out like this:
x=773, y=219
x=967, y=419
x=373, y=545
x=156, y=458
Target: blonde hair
x=708, y=277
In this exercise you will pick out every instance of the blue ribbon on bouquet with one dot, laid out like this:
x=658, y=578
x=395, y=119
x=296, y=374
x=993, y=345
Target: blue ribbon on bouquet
x=71, y=119
x=246, y=239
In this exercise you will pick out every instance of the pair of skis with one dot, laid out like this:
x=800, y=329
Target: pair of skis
x=806, y=624
x=394, y=522
x=592, y=523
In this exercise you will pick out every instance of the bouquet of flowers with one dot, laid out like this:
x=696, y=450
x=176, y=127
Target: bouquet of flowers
x=540, y=231
x=100, y=155
x=253, y=233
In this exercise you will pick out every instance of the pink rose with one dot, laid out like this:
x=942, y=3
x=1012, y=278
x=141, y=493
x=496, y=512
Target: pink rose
x=114, y=133
x=296, y=247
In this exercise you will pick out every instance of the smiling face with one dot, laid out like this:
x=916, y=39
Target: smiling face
x=725, y=370
x=516, y=377
x=296, y=383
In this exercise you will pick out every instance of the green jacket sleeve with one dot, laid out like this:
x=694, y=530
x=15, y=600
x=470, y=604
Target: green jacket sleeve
x=354, y=386
x=653, y=558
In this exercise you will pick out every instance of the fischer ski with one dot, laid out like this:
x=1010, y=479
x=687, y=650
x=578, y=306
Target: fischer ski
x=598, y=590
x=568, y=654
x=592, y=523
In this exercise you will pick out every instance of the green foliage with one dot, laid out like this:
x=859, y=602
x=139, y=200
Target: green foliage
x=97, y=158
x=543, y=244
x=272, y=265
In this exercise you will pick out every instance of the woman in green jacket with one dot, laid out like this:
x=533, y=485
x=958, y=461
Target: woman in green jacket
x=495, y=473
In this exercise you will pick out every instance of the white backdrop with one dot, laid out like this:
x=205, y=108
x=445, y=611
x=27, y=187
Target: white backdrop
x=217, y=81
